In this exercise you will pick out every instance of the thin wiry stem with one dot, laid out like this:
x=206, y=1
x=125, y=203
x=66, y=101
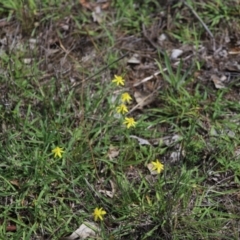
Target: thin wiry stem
x=95, y=74
x=199, y=19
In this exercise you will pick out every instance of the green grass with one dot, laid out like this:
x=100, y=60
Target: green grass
x=196, y=196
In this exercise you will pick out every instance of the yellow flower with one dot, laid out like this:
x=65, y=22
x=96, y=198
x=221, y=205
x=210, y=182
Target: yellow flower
x=122, y=109
x=158, y=166
x=57, y=152
x=118, y=80
x=126, y=97
x=99, y=213
x=130, y=122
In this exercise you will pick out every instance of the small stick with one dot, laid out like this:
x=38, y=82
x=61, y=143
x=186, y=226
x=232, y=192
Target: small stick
x=152, y=76
x=148, y=78
x=143, y=100
x=157, y=73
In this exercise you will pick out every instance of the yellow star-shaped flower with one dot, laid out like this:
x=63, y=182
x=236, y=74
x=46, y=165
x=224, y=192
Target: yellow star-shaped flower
x=98, y=214
x=122, y=109
x=126, y=97
x=57, y=152
x=130, y=122
x=118, y=80
x=158, y=166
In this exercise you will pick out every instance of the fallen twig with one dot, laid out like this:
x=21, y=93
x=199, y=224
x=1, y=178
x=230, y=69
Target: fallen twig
x=138, y=106
x=157, y=73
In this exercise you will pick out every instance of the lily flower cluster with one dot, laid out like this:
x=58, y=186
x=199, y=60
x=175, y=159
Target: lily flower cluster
x=99, y=213
x=130, y=122
x=125, y=99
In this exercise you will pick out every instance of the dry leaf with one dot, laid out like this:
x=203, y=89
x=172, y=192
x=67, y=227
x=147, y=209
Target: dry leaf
x=143, y=98
x=11, y=228
x=15, y=183
x=150, y=168
x=175, y=156
x=176, y=53
x=162, y=38
x=237, y=152
x=217, y=82
x=234, y=51
x=170, y=140
x=112, y=152
x=105, y=5
x=87, y=229
x=141, y=141
x=109, y=193
x=97, y=14
x=86, y=4
x=28, y=60
x=134, y=59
